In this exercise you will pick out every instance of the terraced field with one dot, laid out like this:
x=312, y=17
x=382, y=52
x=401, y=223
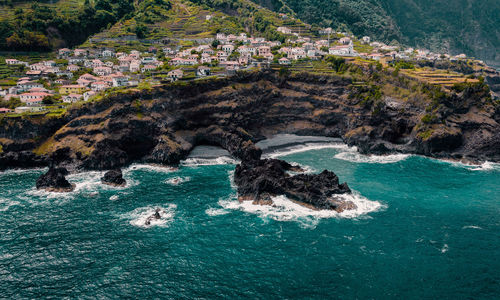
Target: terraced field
x=438, y=77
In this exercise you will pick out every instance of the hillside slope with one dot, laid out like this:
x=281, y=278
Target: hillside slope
x=469, y=26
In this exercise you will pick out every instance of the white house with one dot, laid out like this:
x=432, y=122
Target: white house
x=120, y=81
x=176, y=74
x=72, y=98
x=284, y=61
x=344, y=50
x=88, y=95
x=202, y=71
x=228, y=49
x=103, y=71
x=33, y=98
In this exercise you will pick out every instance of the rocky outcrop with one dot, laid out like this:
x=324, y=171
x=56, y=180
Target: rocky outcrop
x=259, y=180
x=55, y=181
x=161, y=126
x=114, y=178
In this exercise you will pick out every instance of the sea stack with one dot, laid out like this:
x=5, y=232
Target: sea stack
x=114, y=178
x=261, y=179
x=55, y=181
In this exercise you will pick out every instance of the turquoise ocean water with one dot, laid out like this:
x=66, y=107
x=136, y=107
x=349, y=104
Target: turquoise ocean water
x=424, y=229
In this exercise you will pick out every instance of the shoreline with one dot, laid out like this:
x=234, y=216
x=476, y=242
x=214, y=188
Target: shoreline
x=271, y=145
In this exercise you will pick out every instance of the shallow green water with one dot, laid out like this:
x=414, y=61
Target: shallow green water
x=425, y=229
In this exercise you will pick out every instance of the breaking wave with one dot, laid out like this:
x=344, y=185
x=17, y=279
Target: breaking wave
x=149, y=168
x=356, y=157
x=284, y=209
x=485, y=166
x=304, y=148
x=197, y=161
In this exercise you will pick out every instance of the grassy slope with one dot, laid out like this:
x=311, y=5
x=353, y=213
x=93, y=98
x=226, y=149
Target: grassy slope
x=62, y=6
x=187, y=20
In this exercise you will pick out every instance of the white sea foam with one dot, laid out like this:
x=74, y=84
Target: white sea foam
x=85, y=182
x=177, y=180
x=230, y=174
x=304, y=148
x=472, y=227
x=287, y=210
x=198, y=161
x=212, y=211
x=150, y=168
x=354, y=156
x=138, y=216
x=445, y=248
x=486, y=166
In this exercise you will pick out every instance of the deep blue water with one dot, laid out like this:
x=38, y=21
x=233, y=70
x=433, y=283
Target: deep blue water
x=430, y=229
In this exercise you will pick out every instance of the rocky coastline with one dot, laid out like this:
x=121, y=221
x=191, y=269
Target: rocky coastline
x=162, y=125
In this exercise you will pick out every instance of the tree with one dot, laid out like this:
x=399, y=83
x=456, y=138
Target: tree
x=337, y=63
x=141, y=30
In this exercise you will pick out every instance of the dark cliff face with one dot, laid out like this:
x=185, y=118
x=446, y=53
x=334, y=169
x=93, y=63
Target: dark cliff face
x=163, y=125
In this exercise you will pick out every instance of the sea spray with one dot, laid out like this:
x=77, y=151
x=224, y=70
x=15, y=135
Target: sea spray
x=356, y=157
x=197, y=161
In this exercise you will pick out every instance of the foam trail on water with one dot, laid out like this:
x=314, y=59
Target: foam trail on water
x=471, y=227
x=304, y=148
x=354, y=156
x=150, y=168
x=177, y=180
x=196, y=161
x=138, y=216
x=287, y=210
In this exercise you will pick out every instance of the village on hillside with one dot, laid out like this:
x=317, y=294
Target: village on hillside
x=82, y=74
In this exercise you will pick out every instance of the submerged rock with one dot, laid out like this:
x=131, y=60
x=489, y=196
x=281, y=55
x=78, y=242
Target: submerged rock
x=114, y=178
x=55, y=181
x=155, y=216
x=259, y=180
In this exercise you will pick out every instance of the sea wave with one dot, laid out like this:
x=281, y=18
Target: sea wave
x=88, y=183
x=304, y=148
x=23, y=171
x=485, y=166
x=472, y=227
x=354, y=156
x=287, y=210
x=177, y=180
x=138, y=216
x=5, y=204
x=150, y=168
x=198, y=161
